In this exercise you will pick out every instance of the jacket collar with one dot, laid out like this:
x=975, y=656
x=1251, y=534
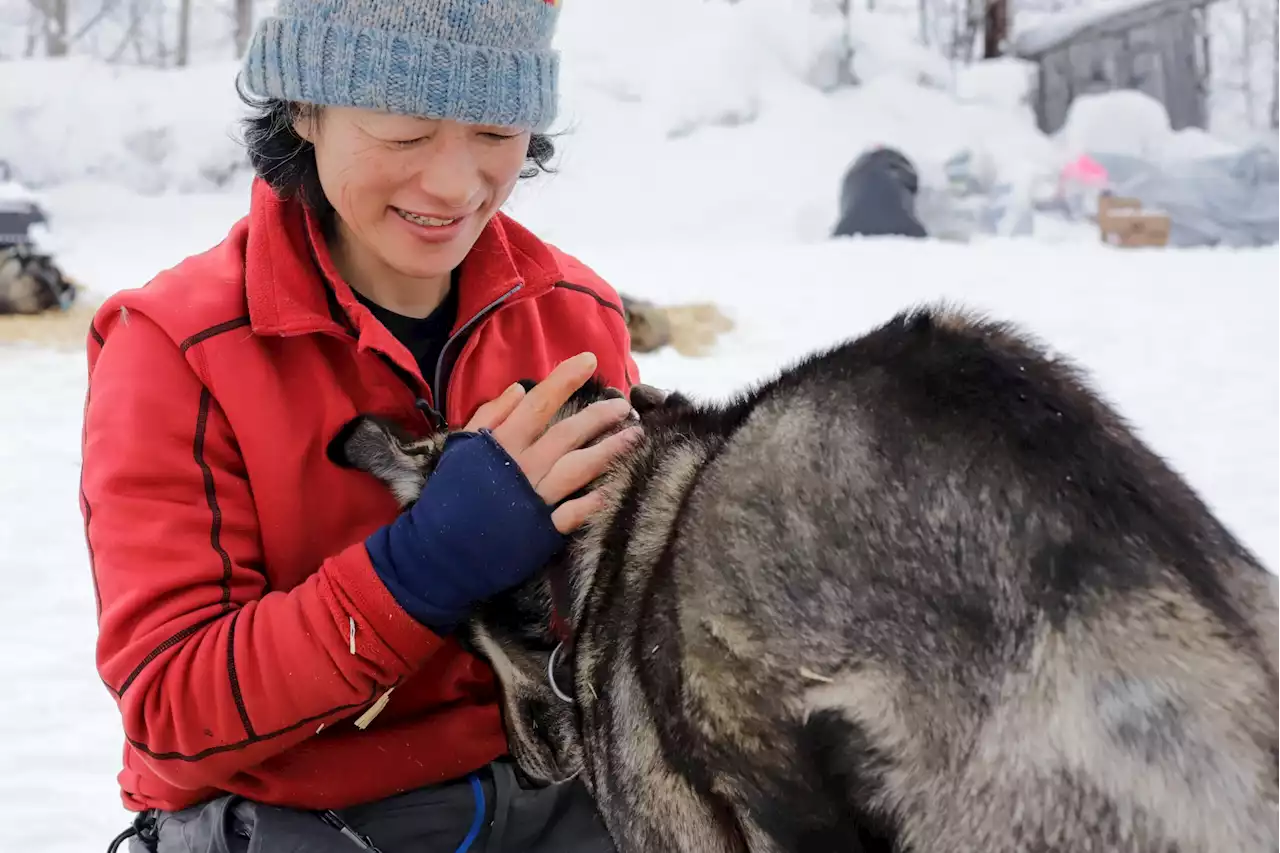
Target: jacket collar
x=293, y=287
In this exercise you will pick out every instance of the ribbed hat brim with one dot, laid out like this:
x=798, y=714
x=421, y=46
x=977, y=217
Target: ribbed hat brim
x=315, y=62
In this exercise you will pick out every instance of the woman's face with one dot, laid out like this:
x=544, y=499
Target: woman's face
x=412, y=194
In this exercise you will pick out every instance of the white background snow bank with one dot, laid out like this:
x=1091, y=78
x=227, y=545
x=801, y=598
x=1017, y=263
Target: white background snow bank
x=1135, y=124
x=80, y=119
x=620, y=151
x=732, y=100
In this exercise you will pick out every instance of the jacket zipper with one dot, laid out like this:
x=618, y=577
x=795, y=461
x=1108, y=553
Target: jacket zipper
x=466, y=327
x=436, y=419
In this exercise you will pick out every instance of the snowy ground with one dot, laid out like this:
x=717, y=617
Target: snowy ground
x=1185, y=343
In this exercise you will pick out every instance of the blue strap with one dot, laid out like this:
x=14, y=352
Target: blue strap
x=478, y=790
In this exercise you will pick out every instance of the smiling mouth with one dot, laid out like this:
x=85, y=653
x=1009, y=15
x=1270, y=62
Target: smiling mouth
x=425, y=221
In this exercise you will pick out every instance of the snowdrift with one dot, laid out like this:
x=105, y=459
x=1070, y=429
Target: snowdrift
x=739, y=100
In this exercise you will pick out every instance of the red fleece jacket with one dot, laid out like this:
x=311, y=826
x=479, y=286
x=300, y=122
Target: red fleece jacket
x=228, y=553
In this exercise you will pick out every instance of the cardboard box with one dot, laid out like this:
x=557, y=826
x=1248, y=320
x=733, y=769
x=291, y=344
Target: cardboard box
x=1123, y=222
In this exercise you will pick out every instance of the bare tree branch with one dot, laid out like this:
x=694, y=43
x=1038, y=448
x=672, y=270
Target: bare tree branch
x=131, y=33
x=107, y=7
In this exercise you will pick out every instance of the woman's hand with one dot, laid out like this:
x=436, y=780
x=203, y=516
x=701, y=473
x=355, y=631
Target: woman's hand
x=554, y=460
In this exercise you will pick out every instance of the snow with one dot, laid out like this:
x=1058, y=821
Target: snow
x=1125, y=122
x=885, y=45
x=1134, y=124
x=676, y=183
x=749, y=124
x=1183, y=342
x=1006, y=83
x=1057, y=28
x=148, y=129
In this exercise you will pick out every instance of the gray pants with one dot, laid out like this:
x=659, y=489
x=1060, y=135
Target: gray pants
x=495, y=811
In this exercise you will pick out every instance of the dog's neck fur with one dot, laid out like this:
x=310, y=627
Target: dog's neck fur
x=612, y=529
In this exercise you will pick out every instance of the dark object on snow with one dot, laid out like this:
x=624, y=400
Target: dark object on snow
x=16, y=219
x=17, y=214
x=647, y=324
x=691, y=329
x=30, y=283
x=878, y=196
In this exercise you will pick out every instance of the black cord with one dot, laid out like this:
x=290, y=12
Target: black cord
x=144, y=827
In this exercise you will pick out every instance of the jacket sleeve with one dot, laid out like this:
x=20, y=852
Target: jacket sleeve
x=212, y=671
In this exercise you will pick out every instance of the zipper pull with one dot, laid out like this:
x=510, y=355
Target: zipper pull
x=433, y=417
x=331, y=817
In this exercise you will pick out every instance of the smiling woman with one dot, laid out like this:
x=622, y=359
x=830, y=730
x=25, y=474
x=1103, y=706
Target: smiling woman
x=361, y=158
x=282, y=642
x=411, y=196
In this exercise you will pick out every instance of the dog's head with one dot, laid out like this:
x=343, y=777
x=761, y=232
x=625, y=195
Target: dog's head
x=512, y=631
x=378, y=446
x=403, y=462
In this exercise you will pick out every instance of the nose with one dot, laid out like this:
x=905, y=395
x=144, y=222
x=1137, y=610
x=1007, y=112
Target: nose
x=448, y=173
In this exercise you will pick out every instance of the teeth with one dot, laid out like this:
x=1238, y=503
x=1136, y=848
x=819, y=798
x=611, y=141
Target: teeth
x=423, y=220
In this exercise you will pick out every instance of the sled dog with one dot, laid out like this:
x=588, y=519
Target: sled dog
x=924, y=591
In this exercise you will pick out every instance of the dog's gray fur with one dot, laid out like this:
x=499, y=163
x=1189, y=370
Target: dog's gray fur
x=31, y=283
x=924, y=591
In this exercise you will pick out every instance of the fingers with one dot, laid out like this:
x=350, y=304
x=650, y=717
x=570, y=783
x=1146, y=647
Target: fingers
x=530, y=418
x=577, y=469
x=571, y=515
x=569, y=435
x=496, y=410
x=555, y=460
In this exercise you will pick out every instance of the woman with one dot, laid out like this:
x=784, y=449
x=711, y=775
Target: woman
x=280, y=640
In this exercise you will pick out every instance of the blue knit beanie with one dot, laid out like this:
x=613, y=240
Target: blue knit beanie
x=477, y=61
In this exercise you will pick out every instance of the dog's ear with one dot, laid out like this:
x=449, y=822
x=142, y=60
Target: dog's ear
x=377, y=446
x=611, y=393
x=359, y=439
x=646, y=398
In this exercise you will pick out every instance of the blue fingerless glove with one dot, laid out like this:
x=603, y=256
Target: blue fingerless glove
x=477, y=529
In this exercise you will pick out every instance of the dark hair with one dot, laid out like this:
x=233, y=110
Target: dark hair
x=287, y=162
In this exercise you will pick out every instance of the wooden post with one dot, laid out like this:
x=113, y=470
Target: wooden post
x=995, y=28
x=184, y=34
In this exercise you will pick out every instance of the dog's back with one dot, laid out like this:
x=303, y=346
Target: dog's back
x=990, y=618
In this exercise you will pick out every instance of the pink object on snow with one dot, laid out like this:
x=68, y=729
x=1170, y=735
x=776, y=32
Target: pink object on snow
x=1084, y=170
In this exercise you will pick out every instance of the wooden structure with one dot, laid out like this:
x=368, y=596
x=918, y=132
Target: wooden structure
x=1123, y=222
x=1159, y=47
